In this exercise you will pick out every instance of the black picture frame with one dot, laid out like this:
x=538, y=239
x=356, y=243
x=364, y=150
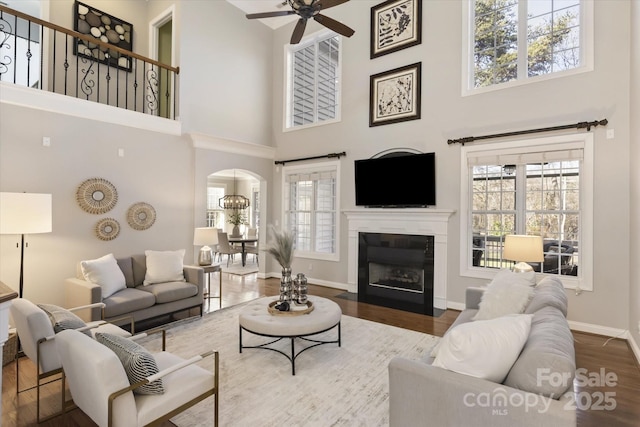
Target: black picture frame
x=395, y=25
x=104, y=27
x=394, y=95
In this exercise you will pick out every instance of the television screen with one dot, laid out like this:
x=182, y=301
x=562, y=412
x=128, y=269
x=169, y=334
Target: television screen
x=396, y=180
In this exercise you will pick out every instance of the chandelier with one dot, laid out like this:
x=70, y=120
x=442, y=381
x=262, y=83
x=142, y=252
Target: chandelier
x=234, y=201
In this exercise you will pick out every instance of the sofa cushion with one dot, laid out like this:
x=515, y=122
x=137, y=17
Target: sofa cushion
x=170, y=291
x=485, y=348
x=549, y=292
x=104, y=272
x=547, y=363
x=504, y=296
x=164, y=266
x=127, y=301
x=126, y=265
x=61, y=318
x=137, y=362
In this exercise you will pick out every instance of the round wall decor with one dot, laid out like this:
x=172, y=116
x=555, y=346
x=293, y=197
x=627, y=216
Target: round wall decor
x=107, y=229
x=96, y=196
x=141, y=216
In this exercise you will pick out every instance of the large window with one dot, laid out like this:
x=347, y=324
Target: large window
x=215, y=214
x=313, y=81
x=512, y=41
x=534, y=187
x=311, y=209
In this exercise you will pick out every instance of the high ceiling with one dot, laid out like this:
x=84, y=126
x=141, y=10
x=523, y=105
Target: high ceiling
x=257, y=6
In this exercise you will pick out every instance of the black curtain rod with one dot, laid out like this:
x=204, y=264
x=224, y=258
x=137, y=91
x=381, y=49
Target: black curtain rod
x=579, y=125
x=328, y=156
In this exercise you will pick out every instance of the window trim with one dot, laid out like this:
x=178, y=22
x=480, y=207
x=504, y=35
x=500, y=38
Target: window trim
x=586, y=41
x=287, y=84
x=310, y=168
x=583, y=141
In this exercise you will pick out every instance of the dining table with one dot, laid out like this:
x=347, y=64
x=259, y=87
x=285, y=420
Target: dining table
x=243, y=240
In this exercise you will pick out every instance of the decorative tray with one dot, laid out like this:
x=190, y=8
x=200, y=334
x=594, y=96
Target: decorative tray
x=296, y=310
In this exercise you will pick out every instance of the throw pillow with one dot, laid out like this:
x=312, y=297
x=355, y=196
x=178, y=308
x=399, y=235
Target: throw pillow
x=508, y=276
x=104, y=272
x=138, y=363
x=484, y=349
x=506, y=295
x=61, y=318
x=164, y=266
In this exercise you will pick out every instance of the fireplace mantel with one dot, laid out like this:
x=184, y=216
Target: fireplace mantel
x=418, y=221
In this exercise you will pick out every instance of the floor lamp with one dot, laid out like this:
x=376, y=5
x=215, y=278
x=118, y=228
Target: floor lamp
x=24, y=213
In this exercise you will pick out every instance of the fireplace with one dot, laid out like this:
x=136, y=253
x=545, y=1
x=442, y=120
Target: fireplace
x=396, y=271
x=409, y=221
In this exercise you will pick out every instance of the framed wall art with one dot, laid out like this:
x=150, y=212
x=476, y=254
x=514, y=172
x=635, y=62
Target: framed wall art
x=395, y=25
x=106, y=28
x=395, y=95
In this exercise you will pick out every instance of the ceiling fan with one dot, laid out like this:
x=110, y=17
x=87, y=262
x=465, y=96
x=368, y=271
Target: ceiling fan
x=308, y=9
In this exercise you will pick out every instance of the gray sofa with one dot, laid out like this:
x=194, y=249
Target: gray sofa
x=136, y=300
x=421, y=394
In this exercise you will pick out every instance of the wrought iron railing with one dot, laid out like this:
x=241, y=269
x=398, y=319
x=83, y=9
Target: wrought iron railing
x=42, y=55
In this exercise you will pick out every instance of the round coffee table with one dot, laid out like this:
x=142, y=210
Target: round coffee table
x=255, y=318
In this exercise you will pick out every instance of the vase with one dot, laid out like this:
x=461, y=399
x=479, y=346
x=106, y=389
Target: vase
x=235, y=232
x=300, y=289
x=286, y=284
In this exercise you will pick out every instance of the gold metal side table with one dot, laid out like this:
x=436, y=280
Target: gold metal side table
x=208, y=269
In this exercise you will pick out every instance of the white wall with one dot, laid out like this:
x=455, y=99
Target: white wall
x=226, y=77
x=603, y=93
x=634, y=196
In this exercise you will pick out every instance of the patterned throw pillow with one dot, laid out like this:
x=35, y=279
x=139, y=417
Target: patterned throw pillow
x=138, y=363
x=61, y=318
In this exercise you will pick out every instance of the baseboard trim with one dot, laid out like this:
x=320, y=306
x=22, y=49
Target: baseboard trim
x=598, y=329
x=456, y=305
x=634, y=347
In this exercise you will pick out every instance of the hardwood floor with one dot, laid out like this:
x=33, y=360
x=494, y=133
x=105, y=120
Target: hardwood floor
x=591, y=354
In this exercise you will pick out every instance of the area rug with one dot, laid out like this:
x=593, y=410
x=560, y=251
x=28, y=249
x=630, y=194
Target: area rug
x=237, y=268
x=333, y=386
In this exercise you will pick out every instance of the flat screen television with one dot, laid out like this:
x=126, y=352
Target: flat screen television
x=396, y=180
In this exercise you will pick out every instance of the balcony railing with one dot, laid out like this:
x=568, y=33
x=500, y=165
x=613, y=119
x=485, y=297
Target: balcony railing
x=42, y=55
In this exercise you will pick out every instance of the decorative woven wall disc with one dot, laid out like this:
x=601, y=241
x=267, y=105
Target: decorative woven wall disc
x=107, y=229
x=141, y=216
x=96, y=196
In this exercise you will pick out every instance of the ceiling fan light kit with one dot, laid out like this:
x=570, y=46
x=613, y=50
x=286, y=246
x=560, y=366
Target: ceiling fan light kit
x=308, y=9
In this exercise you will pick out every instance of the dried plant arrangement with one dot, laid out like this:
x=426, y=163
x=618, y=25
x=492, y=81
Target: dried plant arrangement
x=281, y=247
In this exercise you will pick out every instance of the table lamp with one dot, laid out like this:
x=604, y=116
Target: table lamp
x=24, y=213
x=523, y=249
x=205, y=236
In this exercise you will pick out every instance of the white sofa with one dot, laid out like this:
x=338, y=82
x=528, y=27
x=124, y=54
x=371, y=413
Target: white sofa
x=419, y=391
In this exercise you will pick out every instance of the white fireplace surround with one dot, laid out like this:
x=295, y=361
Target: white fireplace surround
x=412, y=221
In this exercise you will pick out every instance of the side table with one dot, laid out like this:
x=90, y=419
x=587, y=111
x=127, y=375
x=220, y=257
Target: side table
x=208, y=269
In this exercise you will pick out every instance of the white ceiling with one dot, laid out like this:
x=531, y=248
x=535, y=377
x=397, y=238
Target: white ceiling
x=257, y=6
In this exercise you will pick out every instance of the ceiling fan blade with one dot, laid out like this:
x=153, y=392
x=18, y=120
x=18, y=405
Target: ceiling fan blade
x=326, y=4
x=269, y=14
x=334, y=25
x=298, y=31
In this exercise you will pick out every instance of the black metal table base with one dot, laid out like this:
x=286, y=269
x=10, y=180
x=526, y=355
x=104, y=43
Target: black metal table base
x=294, y=355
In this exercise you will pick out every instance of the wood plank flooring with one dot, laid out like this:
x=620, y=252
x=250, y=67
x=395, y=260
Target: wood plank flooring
x=591, y=354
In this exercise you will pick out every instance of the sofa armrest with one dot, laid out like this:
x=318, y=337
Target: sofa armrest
x=472, y=297
x=80, y=292
x=194, y=274
x=419, y=391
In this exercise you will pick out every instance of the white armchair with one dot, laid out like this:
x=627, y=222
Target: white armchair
x=100, y=387
x=36, y=335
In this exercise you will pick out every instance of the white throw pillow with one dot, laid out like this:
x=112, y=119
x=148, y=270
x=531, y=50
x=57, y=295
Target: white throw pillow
x=486, y=348
x=508, y=276
x=164, y=266
x=104, y=272
x=505, y=294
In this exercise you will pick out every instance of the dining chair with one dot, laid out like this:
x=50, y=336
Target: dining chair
x=225, y=248
x=36, y=335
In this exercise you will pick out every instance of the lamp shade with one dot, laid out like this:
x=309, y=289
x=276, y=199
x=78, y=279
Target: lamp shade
x=523, y=248
x=25, y=213
x=205, y=236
